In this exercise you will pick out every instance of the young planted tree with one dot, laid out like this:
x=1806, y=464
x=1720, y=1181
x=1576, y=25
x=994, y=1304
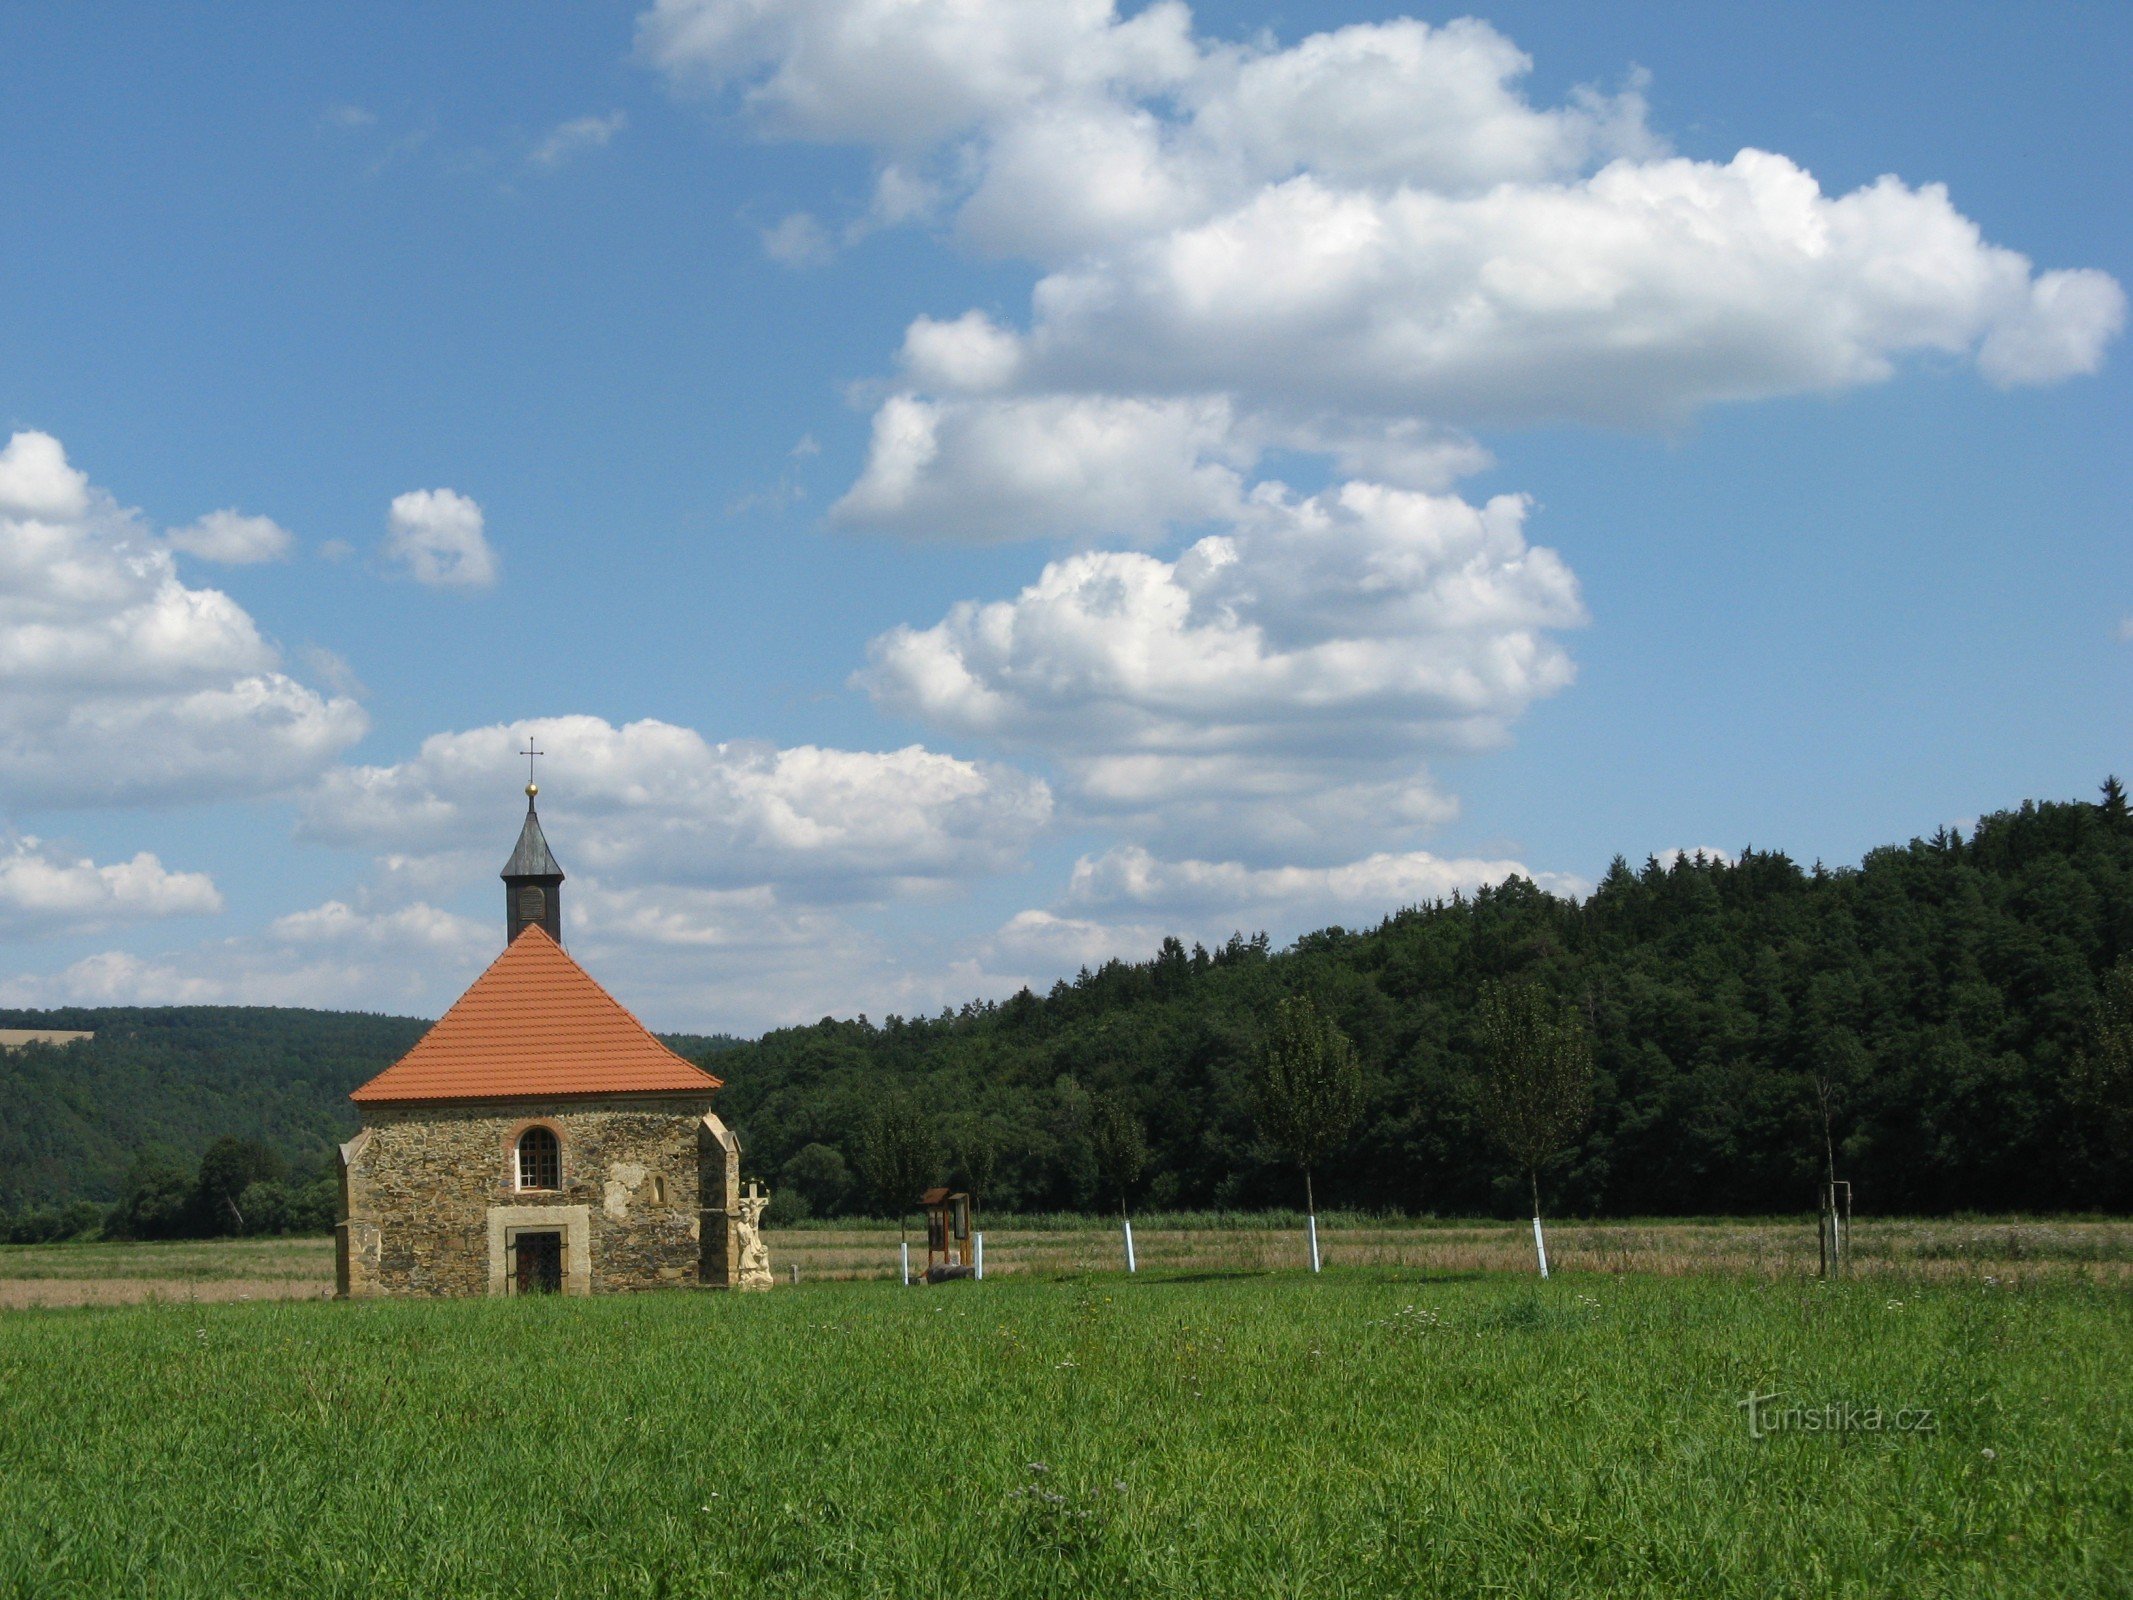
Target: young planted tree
x=1536, y=1081
x=1840, y=1063
x=895, y=1154
x=1307, y=1091
x=976, y=1144
x=1119, y=1143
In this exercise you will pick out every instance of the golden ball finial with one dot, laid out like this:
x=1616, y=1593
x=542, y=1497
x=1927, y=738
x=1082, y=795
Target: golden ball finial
x=532, y=789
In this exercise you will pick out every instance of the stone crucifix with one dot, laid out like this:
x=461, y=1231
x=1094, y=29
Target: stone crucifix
x=755, y=1256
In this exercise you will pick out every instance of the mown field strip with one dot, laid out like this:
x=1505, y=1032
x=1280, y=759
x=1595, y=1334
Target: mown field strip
x=2009, y=1251
x=1368, y=1432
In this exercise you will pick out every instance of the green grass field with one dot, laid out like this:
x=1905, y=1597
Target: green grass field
x=1371, y=1432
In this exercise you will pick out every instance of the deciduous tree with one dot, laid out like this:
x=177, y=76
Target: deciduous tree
x=895, y=1155
x=1536, y=1080
x=1119, y=1142
x=1307, y=1087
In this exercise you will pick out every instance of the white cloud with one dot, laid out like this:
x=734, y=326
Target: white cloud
x=1278, y=683
x=1123, y=902
x=1636, y=295
x=44, y=891
x=437, y=535
x=650, y=803
x=36, y=482
x=971, y=354
x=1058, y=466
x=1673, y=853
x=2125, y=628
x=903, y=75
x=234, y=539
x=1371, y=231
x=1055, y=944
x=1295, y=898
x=577, y=135
x=797, y=240
x=414, y=958
x=124, y=685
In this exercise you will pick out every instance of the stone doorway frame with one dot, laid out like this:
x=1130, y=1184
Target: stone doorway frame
x=574, y=1223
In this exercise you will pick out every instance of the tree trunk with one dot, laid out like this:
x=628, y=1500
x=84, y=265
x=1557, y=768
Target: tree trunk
x=1310, y=1201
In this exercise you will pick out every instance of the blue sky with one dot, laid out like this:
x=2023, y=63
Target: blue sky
x=960, y=490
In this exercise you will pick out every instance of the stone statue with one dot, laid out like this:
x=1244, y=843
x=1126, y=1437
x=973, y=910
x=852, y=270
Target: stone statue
x=755, y=1256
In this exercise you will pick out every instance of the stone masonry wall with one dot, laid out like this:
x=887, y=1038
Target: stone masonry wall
x=419, y=1184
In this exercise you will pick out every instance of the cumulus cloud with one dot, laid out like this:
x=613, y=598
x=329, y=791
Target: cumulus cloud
x=1120, y=904
x=577, y=135
x=1638, y=294
x=1057, y=944
x=652, y=802
x=123, y=685
x=234, y=539
x=1279, y=683
x=1132, y=878
x=436, y=534
x=45, y=891
x=1054, y=465
x=1371, y=231
x=413, y=958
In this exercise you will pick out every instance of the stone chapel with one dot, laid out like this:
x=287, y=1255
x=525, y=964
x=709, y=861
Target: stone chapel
x=539, y=1138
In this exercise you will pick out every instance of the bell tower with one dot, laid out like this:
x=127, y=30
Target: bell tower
x=533, y=882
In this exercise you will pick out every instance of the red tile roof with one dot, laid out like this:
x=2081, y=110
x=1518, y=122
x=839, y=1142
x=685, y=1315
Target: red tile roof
x=534, y=1025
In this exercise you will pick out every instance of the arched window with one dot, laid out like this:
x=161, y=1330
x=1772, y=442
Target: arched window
x=540, y=1160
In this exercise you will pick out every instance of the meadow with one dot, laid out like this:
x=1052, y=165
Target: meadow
x=1373, y=1431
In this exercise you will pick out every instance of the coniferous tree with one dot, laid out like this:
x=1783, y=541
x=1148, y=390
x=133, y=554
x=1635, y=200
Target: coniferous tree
x=2113, y=804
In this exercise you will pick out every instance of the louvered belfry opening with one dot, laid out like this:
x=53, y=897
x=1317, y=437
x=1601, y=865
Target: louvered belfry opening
x=540, y=1160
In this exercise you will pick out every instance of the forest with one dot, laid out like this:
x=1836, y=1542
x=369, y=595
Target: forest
x=1949, y=996
x=1959, y=1005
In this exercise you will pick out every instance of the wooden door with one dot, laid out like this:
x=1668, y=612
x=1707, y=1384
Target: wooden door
x=540, y=1263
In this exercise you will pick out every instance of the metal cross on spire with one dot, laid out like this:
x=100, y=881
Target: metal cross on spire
x=530, y=754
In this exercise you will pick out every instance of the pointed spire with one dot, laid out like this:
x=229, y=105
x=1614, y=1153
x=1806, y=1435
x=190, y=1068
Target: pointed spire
x=533, y=881
x=532, y=857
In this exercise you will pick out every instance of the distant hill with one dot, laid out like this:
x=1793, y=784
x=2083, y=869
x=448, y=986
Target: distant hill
x=174, y=1078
